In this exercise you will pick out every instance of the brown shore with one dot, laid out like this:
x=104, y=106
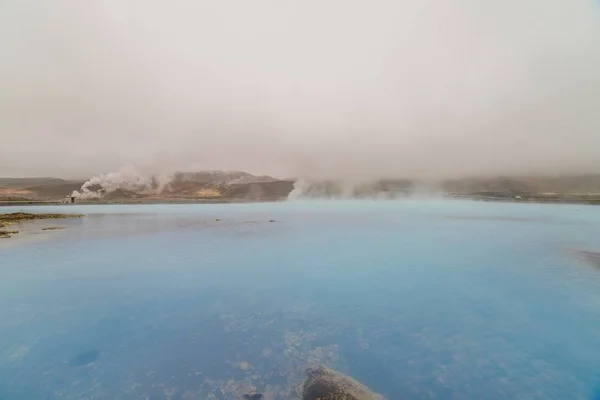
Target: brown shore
x=8, y=221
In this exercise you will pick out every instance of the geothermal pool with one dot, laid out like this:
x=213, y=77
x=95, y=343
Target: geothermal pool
x=417, y=299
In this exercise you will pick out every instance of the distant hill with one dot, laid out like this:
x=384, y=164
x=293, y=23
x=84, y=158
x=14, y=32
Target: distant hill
x=19, y=183
x=574, y=184
x=220, y=177
x=205, y=185
x=238, y=185
x=260, y=190
x=54, y=191
x=564, y=188
x=13, y=189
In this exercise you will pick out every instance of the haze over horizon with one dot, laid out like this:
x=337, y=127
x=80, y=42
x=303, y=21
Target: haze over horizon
x=336, y=89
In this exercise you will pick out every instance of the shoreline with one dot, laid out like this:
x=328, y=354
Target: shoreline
x=141, y=201
x=524, y=199
x=10, y=221
x=533, y=199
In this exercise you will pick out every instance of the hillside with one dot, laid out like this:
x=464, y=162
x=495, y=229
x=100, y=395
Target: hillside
x=234, y=186
x=575, y=184
x=205, y=186
x=18, y=183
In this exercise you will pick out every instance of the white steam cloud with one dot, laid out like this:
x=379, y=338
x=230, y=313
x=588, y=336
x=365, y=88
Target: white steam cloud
x=127, y=178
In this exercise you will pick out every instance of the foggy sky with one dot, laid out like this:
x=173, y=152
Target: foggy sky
x=328, y=88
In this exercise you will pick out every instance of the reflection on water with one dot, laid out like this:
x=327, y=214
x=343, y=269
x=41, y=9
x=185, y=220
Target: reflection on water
x=415, y=299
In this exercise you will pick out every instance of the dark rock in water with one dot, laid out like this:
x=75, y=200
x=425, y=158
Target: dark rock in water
x=323, y=383
x=256, y=396
x=7, y=234
x=592, y=257
x=85, y=358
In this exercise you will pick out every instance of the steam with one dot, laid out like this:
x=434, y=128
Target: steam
x=127, y=178
x=301, y=188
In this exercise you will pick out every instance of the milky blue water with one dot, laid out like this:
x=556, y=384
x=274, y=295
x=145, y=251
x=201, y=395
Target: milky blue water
x=418, y=300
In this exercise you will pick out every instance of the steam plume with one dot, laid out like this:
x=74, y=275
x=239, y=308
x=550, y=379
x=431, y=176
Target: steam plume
x=127, y=178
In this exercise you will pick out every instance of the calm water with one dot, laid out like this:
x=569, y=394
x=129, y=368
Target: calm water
x=419, y=300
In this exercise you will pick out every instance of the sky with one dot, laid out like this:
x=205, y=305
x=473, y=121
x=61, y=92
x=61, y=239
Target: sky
x=312, y=89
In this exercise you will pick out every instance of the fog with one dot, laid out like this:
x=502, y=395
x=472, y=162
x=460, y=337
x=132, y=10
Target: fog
x=315, y=89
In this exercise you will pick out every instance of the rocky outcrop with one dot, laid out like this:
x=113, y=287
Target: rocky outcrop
x=323, y=383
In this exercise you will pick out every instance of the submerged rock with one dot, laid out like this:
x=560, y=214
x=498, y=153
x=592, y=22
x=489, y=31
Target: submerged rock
x=323, y=383
x=244, y=366
x=85, y=358
x=591, y=257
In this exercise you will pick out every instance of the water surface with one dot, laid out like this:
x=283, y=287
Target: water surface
x=419, y=300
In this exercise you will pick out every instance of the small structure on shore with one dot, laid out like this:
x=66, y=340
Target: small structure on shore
x=67, y=200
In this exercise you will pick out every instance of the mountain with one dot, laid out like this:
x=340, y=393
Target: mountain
x=36, y=188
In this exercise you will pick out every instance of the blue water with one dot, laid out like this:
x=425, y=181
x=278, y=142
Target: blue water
x=418, y=300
